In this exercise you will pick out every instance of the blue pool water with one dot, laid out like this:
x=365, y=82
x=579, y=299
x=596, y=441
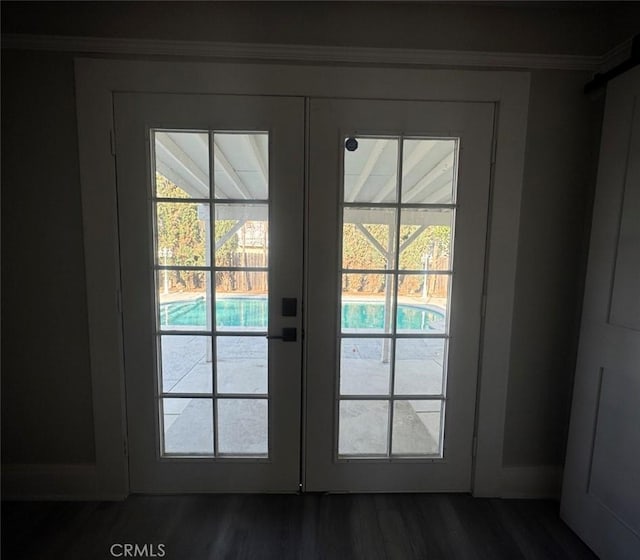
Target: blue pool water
x=252, y=312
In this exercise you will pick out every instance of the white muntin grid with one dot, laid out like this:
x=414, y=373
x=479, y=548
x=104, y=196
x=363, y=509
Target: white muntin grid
x=389, y=331
x=207, y=204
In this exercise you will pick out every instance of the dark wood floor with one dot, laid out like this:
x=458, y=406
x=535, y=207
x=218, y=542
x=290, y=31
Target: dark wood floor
x=400, y=526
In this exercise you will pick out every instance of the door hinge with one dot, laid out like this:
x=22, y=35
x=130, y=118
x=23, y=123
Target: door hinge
x=112, y=142
x=474, y=446
x=119, y=301
x=125, y=447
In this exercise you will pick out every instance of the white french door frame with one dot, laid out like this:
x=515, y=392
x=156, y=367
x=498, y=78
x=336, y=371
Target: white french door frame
x=96, y=82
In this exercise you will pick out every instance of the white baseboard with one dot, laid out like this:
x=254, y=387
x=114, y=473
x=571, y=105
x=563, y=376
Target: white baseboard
x=532, y=482
x=80, y=482
x=53, y=482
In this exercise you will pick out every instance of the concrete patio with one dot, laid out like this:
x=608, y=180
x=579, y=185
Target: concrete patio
x=242, y=370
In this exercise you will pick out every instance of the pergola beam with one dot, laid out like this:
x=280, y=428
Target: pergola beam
x=441, y=189
x=254, y=150
x=205, y=143
x=418, y=154
x=229, y=234
x=409, y=240
x=374, y=242
x=436, y=171
x=374, y=156
x=235, y=179
x=195, y=177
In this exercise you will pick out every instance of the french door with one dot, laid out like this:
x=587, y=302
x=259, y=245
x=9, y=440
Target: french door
x=210, y=204
x=398, y=203
x=273, y=344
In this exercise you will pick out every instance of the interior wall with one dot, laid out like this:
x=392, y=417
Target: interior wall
x=43, y=257
x=561, y=154
x=46, y=383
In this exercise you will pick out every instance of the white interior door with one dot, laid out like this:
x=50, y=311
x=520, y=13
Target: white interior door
x=210, y=218
x=398, y=203
x=601, y=488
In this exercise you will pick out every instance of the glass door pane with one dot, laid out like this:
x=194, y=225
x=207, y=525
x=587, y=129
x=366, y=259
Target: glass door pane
x=390, y=250
x=211, y=335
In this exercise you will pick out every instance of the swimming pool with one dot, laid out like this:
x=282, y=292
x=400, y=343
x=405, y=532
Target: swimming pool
x=251, y=312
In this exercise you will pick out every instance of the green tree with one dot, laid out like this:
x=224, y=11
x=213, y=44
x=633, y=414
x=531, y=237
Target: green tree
x=226, y=254
x=180, y=232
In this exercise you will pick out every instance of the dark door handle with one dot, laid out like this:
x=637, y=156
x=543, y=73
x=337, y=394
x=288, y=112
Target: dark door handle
x=289, y=334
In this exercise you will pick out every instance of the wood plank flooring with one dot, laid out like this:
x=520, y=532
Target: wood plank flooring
x=309, y=526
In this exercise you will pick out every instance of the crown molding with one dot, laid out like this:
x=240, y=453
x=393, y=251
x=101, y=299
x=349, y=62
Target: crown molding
x=616, y=56
x=302, y=53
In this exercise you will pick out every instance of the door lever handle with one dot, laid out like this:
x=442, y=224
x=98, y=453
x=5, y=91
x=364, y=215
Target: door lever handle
x=289, y=334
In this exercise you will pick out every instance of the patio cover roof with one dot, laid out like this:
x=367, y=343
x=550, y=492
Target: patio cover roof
x=240, y=167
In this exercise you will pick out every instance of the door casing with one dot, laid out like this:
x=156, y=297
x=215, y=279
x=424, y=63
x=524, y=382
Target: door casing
x=98, y=79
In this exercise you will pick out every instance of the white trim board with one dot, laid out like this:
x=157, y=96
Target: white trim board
x=79, y=482
x=53, y=482
x=308, y=53
x=97, y=79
